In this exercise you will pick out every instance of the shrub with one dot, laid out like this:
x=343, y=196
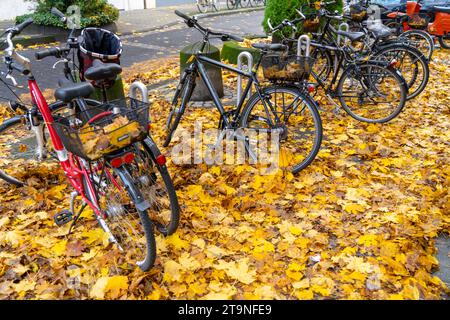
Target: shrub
x=278, y=10
x=94, y=13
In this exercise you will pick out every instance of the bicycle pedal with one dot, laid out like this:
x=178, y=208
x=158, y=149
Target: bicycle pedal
x=63, y=217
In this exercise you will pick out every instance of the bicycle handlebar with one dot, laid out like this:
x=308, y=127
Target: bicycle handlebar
x=19, y=28
x=59, y=14
x=52, y=52
x=18, y=67
x=192, y=23
x=182, y=15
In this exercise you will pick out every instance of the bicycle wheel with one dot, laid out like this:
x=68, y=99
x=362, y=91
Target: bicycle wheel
x=372, y=93
x=232, y=4
x=182, y=96
x=155, y=183
x=299, y=128
x=126, y=218
x=421, y=40
x=245, y=3
x=19, y=149
x=216, y=5
x=203, y=6
x=323, y=65
x=410, y=62
x=444, y=41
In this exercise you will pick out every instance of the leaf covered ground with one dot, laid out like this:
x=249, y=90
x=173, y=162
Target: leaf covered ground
x=359, y=223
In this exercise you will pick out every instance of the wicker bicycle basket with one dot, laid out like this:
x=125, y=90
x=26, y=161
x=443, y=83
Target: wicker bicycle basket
x=418, y=22
x=311, y=25
x=282, y=67
x=358, y=17
x=112, y=126
x=358, y=12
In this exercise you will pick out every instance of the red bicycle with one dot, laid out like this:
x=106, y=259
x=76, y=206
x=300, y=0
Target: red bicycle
x=439, y=27
x=106, y=153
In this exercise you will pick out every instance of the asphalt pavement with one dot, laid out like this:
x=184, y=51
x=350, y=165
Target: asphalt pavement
x=145, y=46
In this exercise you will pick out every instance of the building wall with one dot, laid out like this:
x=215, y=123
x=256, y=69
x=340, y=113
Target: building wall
x=9, y=9
x=162, y=3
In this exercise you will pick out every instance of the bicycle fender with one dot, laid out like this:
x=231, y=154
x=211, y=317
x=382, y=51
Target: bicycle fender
x=141, y=205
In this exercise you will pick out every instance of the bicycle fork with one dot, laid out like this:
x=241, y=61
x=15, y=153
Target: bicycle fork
x=38, y=131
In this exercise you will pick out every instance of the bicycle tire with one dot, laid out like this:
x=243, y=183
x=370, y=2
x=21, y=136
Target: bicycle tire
x=154, y=152
x=417, y=56
x=185, y=92
x=328, y=66
x=394, y=73
x=312, y=107
x=18, y=121
x=428, y=53
x=202, y=6
x=442, y=42
x=231, y=4
x=244, y=3
x=147, y=225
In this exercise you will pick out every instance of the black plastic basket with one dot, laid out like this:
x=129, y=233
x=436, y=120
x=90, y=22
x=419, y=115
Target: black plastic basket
x=282, y=67
x=116, y=125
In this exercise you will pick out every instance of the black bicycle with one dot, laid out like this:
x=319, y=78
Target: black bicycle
x=281, y=111
x=377, y=42
x=234, y=4
x=369, y=90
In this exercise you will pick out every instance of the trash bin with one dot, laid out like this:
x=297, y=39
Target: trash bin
x=201, y=92
x=97, y=43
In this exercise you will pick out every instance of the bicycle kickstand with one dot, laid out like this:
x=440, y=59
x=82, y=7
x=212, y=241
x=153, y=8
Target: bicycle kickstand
x=337, y=107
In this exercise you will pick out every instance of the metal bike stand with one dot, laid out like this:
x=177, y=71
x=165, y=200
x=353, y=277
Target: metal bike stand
x=248, y=67
x=342, y=27
x=303, y=46
x=137, y=85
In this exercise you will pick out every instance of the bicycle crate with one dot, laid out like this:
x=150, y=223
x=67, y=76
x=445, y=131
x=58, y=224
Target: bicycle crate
x=358, y=12
x=98, y=44
x=418, y=22
x=359, y=17
x=282, y=67
x=112, y=126
x=311, y=25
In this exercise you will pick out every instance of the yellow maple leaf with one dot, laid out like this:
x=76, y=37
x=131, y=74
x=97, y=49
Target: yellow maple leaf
x=237, y=270
x=116, y=285
x=98, y=291
x=60, y=247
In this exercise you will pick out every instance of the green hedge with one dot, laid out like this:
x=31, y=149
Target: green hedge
x=94, y=13
x=278, y=10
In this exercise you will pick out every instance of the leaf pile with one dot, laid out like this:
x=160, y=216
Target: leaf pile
x=359, y=223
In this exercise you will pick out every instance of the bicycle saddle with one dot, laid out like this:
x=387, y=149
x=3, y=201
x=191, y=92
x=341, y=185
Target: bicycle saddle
x=354, y=36
x=381, y=31
x=440, y=9
x=269, y=47
x=69, y=91
x=102, y=71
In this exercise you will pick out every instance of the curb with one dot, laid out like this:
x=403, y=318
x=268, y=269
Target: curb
x=44, y=39
x=199, y=16
x=27, y=41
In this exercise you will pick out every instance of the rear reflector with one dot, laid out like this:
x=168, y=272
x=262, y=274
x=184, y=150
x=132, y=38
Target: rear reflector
x=116, y=162
x=161, y=160
x=128, y=158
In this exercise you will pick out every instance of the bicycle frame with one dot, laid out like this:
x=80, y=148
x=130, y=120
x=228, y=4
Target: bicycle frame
x=199, y=67
x=66, y=160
